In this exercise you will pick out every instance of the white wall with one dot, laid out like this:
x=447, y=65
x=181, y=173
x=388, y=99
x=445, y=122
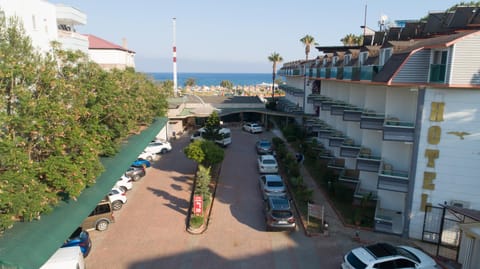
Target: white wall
x=457, y=168
x=38, y=18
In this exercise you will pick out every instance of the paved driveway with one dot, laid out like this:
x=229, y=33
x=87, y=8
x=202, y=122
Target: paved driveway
x=150, y=229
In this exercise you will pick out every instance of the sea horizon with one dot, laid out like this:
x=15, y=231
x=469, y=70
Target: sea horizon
x=214, y=79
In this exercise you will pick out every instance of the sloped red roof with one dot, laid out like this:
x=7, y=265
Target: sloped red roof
x=95, y=42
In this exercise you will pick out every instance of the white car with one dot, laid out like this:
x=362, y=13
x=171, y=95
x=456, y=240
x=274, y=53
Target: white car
x=272, y=185
x=147, y=155
x=158, y=146
x=117, y=198
x=384, y=255
x=124, y=183
x=267, y=164
x=252, y=127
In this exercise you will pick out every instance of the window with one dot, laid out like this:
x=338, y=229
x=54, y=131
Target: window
x=440, y=57
x=404, y=263
x=363, y=58
x=385, y=55
x=346, y=60
x=385, y=265
x=325, y=61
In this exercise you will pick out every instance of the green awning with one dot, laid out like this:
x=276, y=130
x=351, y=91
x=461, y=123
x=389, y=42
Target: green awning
x=30, y=244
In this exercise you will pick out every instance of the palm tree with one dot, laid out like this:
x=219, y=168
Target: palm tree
x=307, y=41
x=274, y=58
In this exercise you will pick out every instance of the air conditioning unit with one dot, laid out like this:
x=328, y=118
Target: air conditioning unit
x=458, y=203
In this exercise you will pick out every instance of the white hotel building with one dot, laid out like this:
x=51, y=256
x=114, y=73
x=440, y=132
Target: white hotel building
x=399, y=120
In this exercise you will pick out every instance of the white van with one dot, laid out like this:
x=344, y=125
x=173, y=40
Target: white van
x=66, y=258
x=225, y=132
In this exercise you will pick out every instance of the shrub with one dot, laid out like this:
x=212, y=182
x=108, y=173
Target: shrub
x=196, y=221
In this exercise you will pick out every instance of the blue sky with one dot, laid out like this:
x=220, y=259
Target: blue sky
x=235, y=36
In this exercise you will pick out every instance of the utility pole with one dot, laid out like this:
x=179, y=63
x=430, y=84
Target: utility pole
x=175, y=90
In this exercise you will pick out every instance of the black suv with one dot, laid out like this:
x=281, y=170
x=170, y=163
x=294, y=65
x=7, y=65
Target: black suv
x=279, y=214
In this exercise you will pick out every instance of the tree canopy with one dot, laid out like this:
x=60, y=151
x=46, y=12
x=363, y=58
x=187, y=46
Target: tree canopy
x=59, y=114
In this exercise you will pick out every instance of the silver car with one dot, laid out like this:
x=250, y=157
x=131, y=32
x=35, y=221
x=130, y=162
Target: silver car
x=272, y=185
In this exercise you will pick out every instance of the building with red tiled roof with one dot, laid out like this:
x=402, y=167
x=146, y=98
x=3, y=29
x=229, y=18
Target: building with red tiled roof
x=109, y=55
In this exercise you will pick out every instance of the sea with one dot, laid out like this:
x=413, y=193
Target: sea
x=214, y=79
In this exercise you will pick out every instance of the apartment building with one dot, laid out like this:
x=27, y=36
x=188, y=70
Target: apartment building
x=399, y=118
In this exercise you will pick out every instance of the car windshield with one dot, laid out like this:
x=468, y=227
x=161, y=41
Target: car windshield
x=407, y=254
x=275, y=184
x=265, y=144
x=281, y=214
x=269, y=162
x=355, y=261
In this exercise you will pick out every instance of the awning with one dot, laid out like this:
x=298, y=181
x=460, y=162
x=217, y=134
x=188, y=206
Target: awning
x=30, y=244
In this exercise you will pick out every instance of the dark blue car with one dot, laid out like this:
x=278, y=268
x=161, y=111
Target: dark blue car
x=79, y=238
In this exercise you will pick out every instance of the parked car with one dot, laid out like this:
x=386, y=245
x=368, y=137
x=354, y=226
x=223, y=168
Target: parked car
x=136, y=173
x=124, y=183
x=279, y=214
x=264, y=146
x=158, y=146
x=252, y=127
x=146, y=155
x=224, y=140
x=272, y=185
x=267, y=164
x=141, y=163
x=117, y=197
x=384, y=255
x=65, y=258
x=100, y=217
x=80, y=238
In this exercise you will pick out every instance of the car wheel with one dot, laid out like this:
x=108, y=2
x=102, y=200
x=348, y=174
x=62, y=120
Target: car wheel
x=163, y=151
x=117, y=205
x=136, y=177
x=123, y=188
x=102, y=225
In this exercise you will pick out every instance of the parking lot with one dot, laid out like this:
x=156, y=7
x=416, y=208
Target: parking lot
x=150, y=229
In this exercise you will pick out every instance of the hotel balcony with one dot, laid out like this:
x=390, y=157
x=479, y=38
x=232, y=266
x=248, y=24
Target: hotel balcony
x=396, y=130
x=339, y=73
x=288, y=106
x=368, y=162
x=312, y=73
x=325, y=154
x=437, y=73
x=336, y=139
x=349, y=175
x=348, y=149
x=316, y=99
x=73, y=41
x=392, y=180
x=388, y=221
x=368, y=72
x=372, y=120
x=328, y=72
x=347, y=73
x=325, y=132
x=327, y=104
x=338, y=108
x=352, y=114
x=356, y=73
x=292, y=90
x=336, y=164
x=333, y=72
x=360, y=192
x=322, y=72
x=70, y=16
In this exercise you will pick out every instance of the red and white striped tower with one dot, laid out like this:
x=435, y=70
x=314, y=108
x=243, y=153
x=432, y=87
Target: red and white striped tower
x=175, y=90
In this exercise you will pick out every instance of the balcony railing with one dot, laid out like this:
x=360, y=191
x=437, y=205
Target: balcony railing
x=339, y=73
x=347, y=73
x=328, y=72
x=368, y=72
x=316, y=99
x=292, y=90
x=396, y=130
x=437, y=73
x=352, y=114
x=325, y=132
x=338, y=108
x=368, y=162
x=336, y=139
x=349, y=150
x=360, y=192
x=372, y=120
x=392, y=180
x=336, y=163
x=349, y=175
x=327, y=104
x=356, y=73
x=323, y=72
x=333, y=72
x=387, y=220
x=325, y=154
